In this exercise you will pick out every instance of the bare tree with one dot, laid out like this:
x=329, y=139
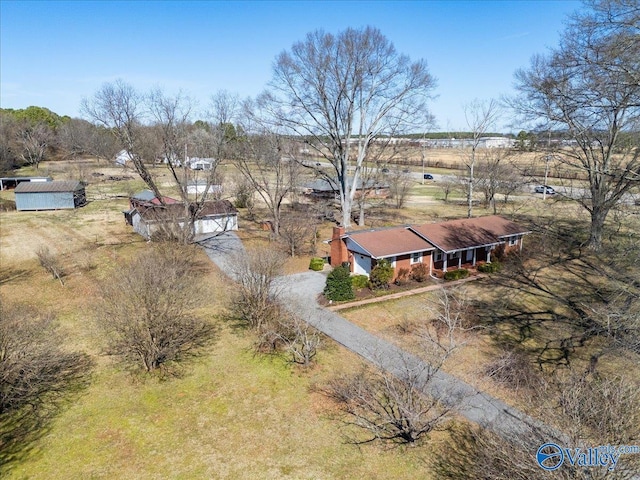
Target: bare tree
x=51, y=263
x=298, y=230
x=148, y=309
x=171, y=116
x=344, y=91
x=34, y=141
x=157, y=125
x=256, y=301
x=37, y=373
x=223, y=112
x=265, y=161
x=303, y=341
x=480, y=117
x=78, y=137
x=496, y=175
x=448, y=185
x=284, y=331
x=591, y=411
x=388, y=408
x=397, y=407
x=588, y=91
x=400, y=182
x=119, y=108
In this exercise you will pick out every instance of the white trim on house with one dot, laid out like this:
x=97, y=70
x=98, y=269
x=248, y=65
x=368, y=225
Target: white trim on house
x=361, y=264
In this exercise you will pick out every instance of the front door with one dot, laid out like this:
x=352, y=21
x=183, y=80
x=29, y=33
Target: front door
x=469, y=256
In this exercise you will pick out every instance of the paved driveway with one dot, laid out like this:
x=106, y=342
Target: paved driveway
x=222, y=249
x=300, y=291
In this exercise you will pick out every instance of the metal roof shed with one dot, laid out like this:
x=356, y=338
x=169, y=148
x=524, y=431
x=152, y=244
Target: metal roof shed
x=58, y=194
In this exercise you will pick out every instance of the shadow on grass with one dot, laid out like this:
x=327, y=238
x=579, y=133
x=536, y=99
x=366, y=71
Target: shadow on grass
x=557, y=298
x=8, y=274
x=23, y=425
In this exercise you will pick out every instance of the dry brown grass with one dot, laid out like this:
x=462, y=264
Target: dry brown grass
x=232, y=414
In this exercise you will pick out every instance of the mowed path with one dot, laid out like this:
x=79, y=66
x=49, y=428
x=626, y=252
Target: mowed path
x=300, y=292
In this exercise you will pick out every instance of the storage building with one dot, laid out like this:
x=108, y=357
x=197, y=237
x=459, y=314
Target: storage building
x=54, y=195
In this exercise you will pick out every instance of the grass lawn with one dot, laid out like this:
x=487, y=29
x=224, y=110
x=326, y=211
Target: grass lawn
x=231, y=414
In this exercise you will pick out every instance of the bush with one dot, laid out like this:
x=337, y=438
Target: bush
x=338, y=286
x=316, y=264
x=151, y=319
x=403, y=276
x=359, y=281
x=420, y=272
x=381, y=275
x=456, y=274
x=490, y=267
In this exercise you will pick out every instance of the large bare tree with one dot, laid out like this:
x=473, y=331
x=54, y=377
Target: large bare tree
x=480, y=116
x=588, y=91
x=120, y=108
x=343, y=92
x=157, y=126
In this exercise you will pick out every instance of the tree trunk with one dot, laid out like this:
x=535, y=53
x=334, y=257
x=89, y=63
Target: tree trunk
x=470, y=191
x=346, y=212
x=598, y=216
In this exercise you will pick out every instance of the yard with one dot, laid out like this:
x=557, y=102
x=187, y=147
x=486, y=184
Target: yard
x=232, y=413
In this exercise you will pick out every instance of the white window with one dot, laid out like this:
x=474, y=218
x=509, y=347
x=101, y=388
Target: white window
x=513, y=241
x=416, y=257
x=392, y=261
x=455, y=255
x=437, y=257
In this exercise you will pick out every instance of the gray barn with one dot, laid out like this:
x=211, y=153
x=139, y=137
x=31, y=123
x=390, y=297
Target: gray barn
x=54, y=195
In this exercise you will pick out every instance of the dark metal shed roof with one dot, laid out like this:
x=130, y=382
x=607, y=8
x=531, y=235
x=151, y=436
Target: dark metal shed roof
x=53, y=186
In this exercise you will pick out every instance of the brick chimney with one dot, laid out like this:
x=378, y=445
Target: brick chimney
x=339, y=251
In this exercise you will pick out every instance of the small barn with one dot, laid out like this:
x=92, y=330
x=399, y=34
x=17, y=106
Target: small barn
x=54, y=195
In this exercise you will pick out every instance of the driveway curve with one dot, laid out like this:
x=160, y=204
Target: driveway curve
x=300, y=291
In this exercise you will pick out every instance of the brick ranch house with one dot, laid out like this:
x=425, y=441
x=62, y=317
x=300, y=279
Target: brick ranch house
x=443, y=246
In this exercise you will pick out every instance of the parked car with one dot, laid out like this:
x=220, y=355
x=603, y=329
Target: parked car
x=318, y=164
x=406, y=170
x=385, y=170
x=545, y=189
x=427, y=176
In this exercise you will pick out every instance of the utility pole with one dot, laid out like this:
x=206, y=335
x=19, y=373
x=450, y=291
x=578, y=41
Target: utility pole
x=546, y=167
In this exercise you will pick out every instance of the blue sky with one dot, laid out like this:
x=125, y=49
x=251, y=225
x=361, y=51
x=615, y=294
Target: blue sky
x=52, y=54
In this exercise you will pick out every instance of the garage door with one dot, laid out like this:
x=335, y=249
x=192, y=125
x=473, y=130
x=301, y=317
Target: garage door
x=362, y=264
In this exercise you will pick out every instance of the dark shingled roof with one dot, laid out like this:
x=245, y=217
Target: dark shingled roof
x=176, y=210
x=53, y=186
x=390, y=242
x=469, y=232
